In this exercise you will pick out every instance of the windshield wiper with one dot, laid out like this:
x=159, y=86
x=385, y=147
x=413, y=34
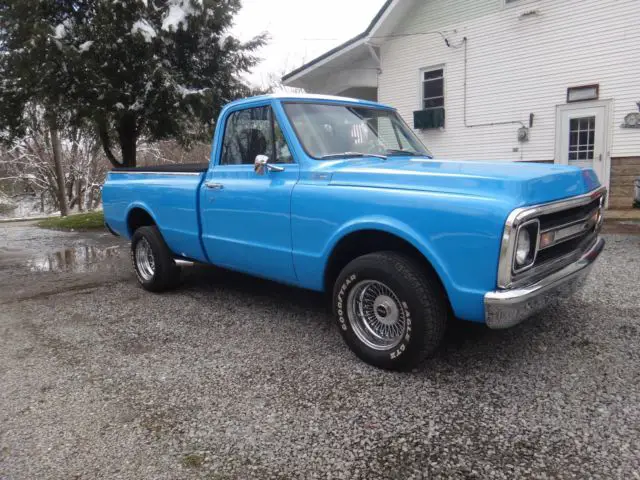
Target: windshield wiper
x=352, y=155
x=408, y=153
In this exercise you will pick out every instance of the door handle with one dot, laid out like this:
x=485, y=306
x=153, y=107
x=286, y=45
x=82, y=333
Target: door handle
x=600, y=157
x=213, y=185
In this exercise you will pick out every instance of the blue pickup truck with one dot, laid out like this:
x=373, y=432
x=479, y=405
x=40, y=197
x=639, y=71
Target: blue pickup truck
x=338, y=195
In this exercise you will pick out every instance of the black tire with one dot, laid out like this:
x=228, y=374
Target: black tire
x=166, y=274
x=422, y=304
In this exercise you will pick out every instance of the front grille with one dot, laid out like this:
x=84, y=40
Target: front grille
x=566, y=250
x=563, y=217
x=567, y=230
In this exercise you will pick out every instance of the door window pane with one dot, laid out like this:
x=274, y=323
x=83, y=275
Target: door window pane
x=581, y=138
x=247, y=135
x=283, y=153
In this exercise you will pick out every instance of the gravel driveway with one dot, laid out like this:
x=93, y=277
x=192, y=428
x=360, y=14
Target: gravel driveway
x=235, y=378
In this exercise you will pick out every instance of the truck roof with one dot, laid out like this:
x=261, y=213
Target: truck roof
x=308, y=97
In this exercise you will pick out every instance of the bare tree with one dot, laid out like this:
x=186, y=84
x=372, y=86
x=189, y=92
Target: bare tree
x=29, y=165
x=60, y=167
x=86, y=168
x=170, y=151
x=272, y=82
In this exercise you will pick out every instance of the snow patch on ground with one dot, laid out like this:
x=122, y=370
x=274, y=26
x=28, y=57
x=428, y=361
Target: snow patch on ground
x=145, y=29
x=23, y=206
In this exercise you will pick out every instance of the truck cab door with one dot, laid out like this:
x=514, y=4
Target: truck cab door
x=246, y=215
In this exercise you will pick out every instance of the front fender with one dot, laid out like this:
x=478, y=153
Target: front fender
x=397, y=228
x=458, y=234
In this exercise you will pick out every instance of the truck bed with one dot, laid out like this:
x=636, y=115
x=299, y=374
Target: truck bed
x=169, y=193
x=169, y=168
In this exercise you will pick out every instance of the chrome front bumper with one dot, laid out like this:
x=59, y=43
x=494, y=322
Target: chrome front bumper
x=505, y=308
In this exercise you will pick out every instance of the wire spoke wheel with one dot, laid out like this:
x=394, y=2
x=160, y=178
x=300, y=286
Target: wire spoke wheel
x=376, y=315
x=144, y=259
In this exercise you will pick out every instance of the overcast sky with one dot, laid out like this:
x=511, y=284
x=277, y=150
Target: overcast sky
x=301, y=30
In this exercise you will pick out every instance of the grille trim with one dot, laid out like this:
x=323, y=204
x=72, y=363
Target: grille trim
x=585, y=224
x=506, y=276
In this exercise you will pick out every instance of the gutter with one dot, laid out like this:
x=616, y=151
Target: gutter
x=326, y=55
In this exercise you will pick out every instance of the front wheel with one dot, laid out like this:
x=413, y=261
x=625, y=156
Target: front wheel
x=389, y=312
x=152, y=260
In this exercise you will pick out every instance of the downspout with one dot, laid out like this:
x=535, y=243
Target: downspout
x=374, y=54
x=376, y=58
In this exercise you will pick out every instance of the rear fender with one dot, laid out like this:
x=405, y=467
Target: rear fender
x=141, y=206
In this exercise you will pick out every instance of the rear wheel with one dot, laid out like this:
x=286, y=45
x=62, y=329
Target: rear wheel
x=152, y=260
x=389, y=312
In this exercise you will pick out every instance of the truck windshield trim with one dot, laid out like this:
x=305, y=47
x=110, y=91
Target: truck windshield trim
x=330, y=130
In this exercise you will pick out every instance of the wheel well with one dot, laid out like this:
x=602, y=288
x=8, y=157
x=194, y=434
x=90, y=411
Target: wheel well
x=363, y=242
x=139, y=218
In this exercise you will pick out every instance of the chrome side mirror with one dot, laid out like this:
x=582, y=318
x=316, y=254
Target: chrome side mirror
x=262, y=165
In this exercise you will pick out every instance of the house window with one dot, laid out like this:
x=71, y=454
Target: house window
x=431, y=113
x=432, y=89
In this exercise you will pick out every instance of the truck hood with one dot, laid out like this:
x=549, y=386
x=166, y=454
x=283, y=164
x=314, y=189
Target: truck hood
x=520, y=183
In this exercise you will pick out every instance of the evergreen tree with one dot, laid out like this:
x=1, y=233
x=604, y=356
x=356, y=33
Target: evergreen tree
x=135, y=68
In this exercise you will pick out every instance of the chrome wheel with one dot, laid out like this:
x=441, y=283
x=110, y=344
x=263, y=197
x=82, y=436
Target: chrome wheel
x=144, y=260
x=376, y=315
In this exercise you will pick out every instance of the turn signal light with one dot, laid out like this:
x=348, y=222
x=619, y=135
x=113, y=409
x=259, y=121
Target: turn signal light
x=547, y=239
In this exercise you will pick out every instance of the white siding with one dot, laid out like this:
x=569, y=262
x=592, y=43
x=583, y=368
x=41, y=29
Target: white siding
x=332, y=79
x=515, y=67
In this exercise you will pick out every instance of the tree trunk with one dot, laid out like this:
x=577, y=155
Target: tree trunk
x=57, y=161
x=90, y=199
x=105, y=140
x=80, y=195
x=92, y=178
x=127, y=136
x=127, y=132
x=69, y=186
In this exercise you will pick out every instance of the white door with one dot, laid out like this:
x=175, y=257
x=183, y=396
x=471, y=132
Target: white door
x=582, y=137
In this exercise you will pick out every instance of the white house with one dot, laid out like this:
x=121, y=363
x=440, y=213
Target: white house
x=514, y=80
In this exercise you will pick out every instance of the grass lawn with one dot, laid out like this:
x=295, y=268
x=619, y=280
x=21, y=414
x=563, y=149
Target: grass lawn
x=81, y=221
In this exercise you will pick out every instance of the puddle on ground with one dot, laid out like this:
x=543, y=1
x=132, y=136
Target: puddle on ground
x=77, y=259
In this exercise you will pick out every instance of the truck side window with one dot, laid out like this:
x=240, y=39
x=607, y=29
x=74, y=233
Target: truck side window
x=247, y=134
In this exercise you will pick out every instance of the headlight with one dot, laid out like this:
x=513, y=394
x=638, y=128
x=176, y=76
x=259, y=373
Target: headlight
x=523, y=247
x=526, y=246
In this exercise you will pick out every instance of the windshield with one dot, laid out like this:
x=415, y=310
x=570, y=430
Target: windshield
x=327, y=131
